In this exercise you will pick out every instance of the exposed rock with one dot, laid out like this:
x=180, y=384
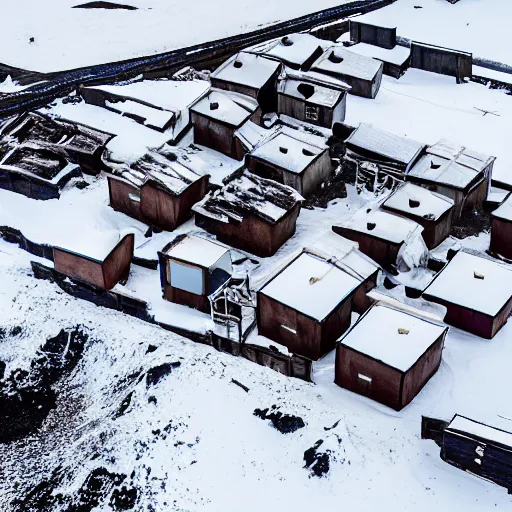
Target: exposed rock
x=124, y=498
x=156, y=373
x=317, y=462
x=124, y=405
x=285, y=423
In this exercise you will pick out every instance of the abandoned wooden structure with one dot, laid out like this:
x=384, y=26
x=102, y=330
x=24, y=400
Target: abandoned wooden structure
x=102, y=264
x=456, y=172
x=162, y=105
x=158, y=189
x=477, y=293
x=191, y=269
x=444, y=61
x=380, y=234
x=36, y=172
x=389, y=355
x=362, y=74
x=291, y=160
x=297, y=51
x=432, y=211
x=345, y=254
x=473, y=446
x=375, y=35
x=311, y=100
x=501, y=230
x=306, y=306
x=78, y=143
x=216, y=117
x=251, y=213
x=251, y=75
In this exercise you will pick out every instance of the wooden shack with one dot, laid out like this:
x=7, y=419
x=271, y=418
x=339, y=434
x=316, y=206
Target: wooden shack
x=297, y=51
x=216, y=117
x=162, y=105
x=36, y=172
x=444, y=61
x=362, y=74
x=251, y=213
x=473, y=446
x=477, y=293
x=158, y=189
x=311, y=100
x=432, y=211
x=389, y=355
x=380, y=234
x=375, y=35
x=501, y=230
x=101, y=263
x=191, y=269
x=306, y=306
x=249, y=74
x=456, y=172
x=345, y=254
x=291, y=160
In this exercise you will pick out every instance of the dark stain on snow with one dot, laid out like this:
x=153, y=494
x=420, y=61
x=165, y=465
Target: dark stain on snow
x=285, y=423
x=105, y=5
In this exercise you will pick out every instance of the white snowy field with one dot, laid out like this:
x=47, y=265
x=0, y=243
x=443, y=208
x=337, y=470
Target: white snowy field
x=67, y=38
x=477, y=26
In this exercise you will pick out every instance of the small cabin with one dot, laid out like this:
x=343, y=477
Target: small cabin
x=291, y=160
x=250, y=213
x=251, y=75
x=297, y=51
x=369, y=142
x=362, y=74
x=162, y=105
x=101, y=262
x=432, y=211
x=389, y=355
x=477, y=293
x=312, y=101
x=191, y=269
x=375, y=35
x=380, y=235
x=348, y=257
x=36, y=172
x=456, y=172
x=307, y=305
x=473, y=446
x=216, y=118
x=501, y=230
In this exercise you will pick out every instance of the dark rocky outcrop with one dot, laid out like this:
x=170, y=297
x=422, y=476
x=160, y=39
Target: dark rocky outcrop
x=157, y=373
x=285, y=423
x=317, y=462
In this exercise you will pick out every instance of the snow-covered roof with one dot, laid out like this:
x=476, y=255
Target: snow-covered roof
x=383, y=225
x=310, y=92
x=287, y=152
x=504, y=211
x=460, y=283
x=467, y=426
x=198, y=251
x=461, y=154
x=246, y=69
x=311, y=285
x=431, y=205
x=249, y=195
x=151, y=116
x=397, y=55
x=340, y=61
x=294, y=49
x=387, y=144
x=221, y=107
x=378, y=335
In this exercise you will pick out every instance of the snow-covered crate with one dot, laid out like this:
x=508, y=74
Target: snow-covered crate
x=432, y=211
x=389, y=355
x=249, y=74
x=477, y=293
x=191, y=269
x=383, y=37
x=251, y=213
x=36, y=172
x=159, y=189
x=456, y=172
x=217, y=116
x=363, y=74
x=380, y=234
x=101, y=262
x=292, y=161
x=501, y=230
x=307, y=305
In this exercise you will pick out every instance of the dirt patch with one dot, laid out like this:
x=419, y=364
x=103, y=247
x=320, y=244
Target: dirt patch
x=471, y=223
x=285, y=423
x=105, y=5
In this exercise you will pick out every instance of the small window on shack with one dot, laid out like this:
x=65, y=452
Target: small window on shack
x=134, y=196
x=186, y=277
